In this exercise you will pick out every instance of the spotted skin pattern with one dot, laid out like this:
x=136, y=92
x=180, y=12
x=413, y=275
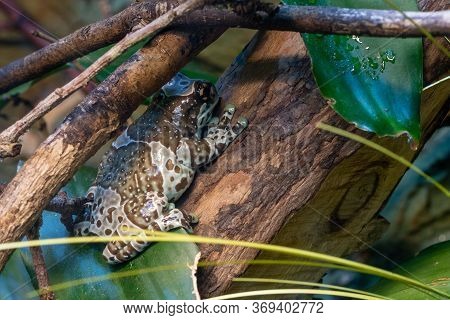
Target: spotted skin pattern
x=152, y=163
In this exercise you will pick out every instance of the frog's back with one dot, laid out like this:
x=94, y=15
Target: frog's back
x=144, y=159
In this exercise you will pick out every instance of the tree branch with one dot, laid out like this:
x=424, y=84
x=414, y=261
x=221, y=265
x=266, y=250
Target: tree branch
x=12, y=13
x=287, y=18
x=40, y=269
x=76, y=44
x=9, y=147
x=62, y=204
x=328, y=20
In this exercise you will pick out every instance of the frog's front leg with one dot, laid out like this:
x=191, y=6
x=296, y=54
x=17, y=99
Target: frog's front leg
x=220, y=134
x=83, y=223
x=159, y=215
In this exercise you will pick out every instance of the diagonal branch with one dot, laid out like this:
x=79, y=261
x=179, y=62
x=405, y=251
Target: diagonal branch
x=9, y=147
x=61, y=203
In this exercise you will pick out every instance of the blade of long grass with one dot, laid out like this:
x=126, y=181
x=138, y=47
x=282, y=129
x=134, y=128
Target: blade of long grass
x=172, y=237
x=385, y=151
x=308, y=284
x=431, y=85
x=363, y=268
x=293, y=291
x=130, y=273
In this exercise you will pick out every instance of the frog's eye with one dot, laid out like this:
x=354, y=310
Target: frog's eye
x=207, y=91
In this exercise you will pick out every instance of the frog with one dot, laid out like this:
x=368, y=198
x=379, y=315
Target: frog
x=152, y=163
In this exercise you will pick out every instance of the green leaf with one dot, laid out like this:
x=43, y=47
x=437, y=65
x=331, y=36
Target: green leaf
x=431, y=266
x=15, y=281
x=90, y=58
x=95, y=279
x=194, y=70
x=373, y=82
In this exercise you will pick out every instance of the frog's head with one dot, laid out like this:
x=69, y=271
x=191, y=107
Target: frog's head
x=191, y=103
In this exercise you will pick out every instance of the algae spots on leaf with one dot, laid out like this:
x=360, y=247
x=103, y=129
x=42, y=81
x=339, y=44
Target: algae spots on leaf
x=351, y=55
x=376, y=82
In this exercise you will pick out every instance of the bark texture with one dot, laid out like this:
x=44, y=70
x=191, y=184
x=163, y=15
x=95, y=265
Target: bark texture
x=325, y=20
x=90, y=125
x=284, y=181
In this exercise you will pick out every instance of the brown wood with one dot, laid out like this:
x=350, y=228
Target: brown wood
x=90, y=125
x=286, y=182
x=325, y=20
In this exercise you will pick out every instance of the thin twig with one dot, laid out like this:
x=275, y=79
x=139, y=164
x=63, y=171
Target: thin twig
x=63, y=205
x=12, y=12
x=44, y=36
x=39, y=265
x=9, y=146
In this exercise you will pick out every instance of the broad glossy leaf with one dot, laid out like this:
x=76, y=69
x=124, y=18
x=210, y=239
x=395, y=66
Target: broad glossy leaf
x=431, y=266
x=78, y=262
x=374, y=82
x=15, y=281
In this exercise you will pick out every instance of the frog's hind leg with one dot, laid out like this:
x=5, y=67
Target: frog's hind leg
x=123, y=250
x=81, y=229
x=126, y=249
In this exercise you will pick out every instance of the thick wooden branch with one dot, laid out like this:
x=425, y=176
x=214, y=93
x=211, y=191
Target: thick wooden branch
x=90, y=125
x=328, y=20
x=288, y=18
x=286, y=182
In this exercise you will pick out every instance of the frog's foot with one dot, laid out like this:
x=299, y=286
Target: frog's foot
x=81, y=229
x=176, y=218
x=223, y=133
x=192, y=219
x=121, y=251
